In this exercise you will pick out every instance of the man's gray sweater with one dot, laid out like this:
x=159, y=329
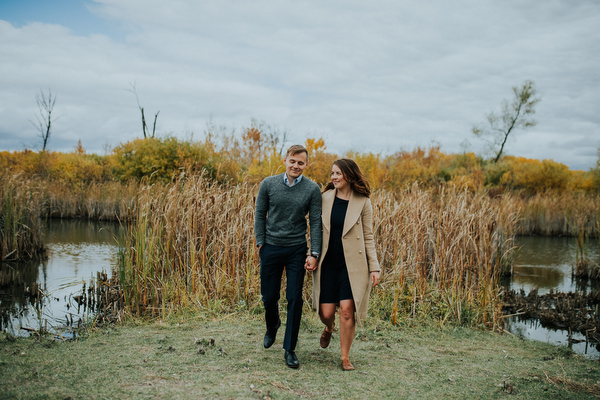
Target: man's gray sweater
x=280, y=217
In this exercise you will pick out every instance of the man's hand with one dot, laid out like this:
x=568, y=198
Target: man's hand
x=310, y=263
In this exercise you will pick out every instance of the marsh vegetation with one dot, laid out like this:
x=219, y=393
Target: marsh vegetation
x=445, y=223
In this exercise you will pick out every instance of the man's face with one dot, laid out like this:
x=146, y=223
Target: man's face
x=295, y=165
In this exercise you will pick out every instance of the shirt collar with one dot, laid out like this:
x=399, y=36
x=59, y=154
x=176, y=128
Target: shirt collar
x=287, y=181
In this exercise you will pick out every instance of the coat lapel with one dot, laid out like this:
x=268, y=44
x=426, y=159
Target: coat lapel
x=326, y=206
x=355, y=206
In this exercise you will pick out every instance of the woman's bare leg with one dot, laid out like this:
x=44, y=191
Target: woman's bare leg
x=327, y=315
x=347, y=327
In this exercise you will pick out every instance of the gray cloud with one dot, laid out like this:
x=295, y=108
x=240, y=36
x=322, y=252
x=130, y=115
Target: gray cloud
x=377, y=77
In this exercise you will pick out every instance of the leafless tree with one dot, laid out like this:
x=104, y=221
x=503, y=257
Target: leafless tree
x=44, y=119
x=144, y=126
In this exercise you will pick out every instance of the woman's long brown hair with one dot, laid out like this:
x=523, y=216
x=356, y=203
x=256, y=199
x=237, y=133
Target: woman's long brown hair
x=353, y=175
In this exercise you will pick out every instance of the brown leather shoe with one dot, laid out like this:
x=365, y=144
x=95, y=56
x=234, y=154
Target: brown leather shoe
x=347, y=365
x=326, y=337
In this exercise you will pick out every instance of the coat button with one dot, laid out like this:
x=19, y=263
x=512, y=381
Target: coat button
x=358, y=237
x=360, y=252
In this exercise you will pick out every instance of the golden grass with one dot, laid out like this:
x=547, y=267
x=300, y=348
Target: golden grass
x=192, y=244
x=442, y=252
x=96, y=201
x=21, y=228
x=558, y=214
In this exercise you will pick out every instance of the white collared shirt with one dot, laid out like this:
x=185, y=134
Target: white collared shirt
x=287, y=181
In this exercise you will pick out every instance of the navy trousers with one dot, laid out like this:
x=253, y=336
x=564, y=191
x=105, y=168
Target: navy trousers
x=273, y=260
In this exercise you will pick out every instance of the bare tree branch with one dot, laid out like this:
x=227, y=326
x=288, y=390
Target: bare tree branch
x=144, y=125
x=44, y=119
x=154, y=127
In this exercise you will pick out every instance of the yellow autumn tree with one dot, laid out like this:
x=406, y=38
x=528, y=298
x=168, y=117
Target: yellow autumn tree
x=371, y=166
x=320, y=161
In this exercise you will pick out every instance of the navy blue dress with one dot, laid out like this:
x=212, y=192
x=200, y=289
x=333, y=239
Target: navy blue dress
x=335, y=283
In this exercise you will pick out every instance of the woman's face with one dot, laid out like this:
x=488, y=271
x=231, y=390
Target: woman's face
x=338, y=179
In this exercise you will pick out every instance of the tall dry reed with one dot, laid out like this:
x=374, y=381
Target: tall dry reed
x=109, y=201
x=192, y=244
x=21, y=228
x=587, y=263
x=558, y=214
x=442, y=252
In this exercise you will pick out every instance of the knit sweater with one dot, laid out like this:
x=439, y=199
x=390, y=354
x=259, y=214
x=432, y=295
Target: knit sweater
x=280, y=217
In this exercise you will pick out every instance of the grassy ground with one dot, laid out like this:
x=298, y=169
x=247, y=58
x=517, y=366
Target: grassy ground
x=223, y=358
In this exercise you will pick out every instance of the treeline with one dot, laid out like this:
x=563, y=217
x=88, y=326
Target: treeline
x=228, y=158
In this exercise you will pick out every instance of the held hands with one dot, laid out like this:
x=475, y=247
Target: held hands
x=310, y=264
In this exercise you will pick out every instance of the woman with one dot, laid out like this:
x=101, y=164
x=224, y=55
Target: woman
x=348, y=267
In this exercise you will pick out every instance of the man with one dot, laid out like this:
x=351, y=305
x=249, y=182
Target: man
x=280, y=230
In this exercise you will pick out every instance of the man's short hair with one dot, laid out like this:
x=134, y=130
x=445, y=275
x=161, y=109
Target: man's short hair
x=296, y=149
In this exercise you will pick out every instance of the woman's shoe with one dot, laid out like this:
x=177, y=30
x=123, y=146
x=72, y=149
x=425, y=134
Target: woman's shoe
x=347, y=365
x=326, y=337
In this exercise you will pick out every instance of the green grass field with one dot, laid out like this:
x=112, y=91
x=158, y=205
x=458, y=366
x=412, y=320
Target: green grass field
x=223, y=358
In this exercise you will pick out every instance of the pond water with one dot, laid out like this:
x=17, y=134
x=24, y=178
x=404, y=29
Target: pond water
x=77, y=250
x=546, y=263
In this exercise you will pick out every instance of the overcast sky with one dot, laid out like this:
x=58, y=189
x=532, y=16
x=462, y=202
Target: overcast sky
x=371, y=76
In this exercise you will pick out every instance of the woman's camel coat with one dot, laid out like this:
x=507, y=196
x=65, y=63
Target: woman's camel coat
x=359, y=249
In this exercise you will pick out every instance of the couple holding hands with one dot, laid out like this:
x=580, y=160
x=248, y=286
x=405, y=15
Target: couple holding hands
x=342, y=254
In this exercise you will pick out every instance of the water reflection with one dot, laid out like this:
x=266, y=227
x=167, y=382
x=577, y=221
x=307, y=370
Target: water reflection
x=18, y=291
x=543, y=278
x=532, y=329
x=40, y=295
x=545, y=264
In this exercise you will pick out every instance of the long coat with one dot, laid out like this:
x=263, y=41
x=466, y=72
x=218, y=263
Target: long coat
x=359, y=249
